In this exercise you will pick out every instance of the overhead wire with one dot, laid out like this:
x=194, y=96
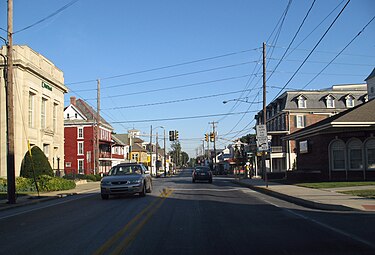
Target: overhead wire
x=48, y=17
x=347, y=45
x=291, y=42
x=316, y=45
x=167, y=66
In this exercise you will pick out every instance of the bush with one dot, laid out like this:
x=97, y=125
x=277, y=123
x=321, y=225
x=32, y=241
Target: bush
x=38, y=164
x=89, y=177
x=45, y=183
x=48, y=183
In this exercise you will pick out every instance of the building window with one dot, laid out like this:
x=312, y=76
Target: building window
x=80, y=132
x=135, y=156
x=31, y=109
x=349, y=101
x=80, y=148
x=355, y=154
x=301, y=102
x=370, y=154
x=300, y=121
x=46, y=149
x=54, y=117
x=68, y=164
x=43, y=111
x=80, y=166
x=330, y=101
x=338, y=155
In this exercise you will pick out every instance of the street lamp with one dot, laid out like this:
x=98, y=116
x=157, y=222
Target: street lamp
x=238, y=100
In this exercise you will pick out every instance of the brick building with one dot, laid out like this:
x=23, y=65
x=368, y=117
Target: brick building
x=80, y=128
x=295, y=110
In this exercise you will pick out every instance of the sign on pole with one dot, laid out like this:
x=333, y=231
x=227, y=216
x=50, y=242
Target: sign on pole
x=262, y=139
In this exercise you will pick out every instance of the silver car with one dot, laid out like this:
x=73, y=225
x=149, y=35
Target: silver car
x=126, y=178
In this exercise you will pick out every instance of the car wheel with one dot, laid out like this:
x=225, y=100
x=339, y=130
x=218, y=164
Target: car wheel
x=143, y=192
x=105, y=196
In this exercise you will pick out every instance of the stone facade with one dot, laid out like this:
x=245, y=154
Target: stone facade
x=38, y=108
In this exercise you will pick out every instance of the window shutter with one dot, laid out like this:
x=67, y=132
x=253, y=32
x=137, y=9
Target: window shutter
x=304, y=121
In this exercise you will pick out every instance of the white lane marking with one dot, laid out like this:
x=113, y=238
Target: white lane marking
x=46, y=206
x=336, y=230
x=218, y=190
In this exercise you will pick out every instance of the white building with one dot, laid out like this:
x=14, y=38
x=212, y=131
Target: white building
x=38, y=108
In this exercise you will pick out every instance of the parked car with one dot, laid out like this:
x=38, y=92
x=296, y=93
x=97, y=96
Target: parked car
x=202, y=173
x=126, y=178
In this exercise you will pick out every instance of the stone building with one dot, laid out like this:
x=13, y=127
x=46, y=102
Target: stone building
x=38, y=108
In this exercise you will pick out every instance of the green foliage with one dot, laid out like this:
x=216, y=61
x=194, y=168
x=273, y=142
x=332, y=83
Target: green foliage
x=89, y=177
x=38, y=163
x=45, y=183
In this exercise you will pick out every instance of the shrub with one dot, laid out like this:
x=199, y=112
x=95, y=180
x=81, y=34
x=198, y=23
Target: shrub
x=48, y=183
x=38, y=164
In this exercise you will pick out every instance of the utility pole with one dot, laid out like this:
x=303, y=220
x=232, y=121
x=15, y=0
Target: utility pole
x=165, y=157
x=151, y=150
x=214, y=134
x=11, y=177
x=203, y=152
x=264, y=112
x=156, y=152
x=97, y=128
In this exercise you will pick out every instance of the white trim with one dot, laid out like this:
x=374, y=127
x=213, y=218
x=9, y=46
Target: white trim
x=83, y=148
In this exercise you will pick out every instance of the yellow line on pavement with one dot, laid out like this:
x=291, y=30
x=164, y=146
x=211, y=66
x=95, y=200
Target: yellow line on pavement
x=107, y=245
x=132, y=235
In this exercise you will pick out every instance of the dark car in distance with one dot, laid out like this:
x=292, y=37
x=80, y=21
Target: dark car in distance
x=126, y=178
x=202, y=173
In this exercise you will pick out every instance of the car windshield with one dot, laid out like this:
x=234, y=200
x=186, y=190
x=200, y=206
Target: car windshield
x=125, y=170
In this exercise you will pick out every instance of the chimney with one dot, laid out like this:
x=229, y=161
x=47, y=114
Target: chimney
x=73, y=100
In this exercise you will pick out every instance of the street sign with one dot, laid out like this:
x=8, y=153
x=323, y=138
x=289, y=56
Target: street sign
x=262, y=139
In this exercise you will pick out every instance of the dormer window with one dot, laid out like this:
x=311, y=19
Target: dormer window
x=330, y=101
x=349, y=101
x=301, y=101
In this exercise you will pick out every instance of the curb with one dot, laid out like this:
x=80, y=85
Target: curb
x=296, y=200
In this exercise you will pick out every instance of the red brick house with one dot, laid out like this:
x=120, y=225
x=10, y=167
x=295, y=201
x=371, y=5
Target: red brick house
x=341, y=147
x=80, y=141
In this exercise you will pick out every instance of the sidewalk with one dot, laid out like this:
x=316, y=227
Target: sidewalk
x=327, y=199
x=81, y=188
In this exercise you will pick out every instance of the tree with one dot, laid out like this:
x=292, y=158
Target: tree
x=178, y=156
x=38, y=164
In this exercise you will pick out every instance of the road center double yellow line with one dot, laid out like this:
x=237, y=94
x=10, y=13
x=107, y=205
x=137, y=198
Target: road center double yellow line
x=139, y=221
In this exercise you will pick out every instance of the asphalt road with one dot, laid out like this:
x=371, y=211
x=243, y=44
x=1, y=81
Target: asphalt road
x=181, y=217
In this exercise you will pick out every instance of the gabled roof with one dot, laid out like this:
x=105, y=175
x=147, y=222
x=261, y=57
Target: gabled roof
x=361, y=116
x=89, y=113
x=117, y=140
x=372, y=74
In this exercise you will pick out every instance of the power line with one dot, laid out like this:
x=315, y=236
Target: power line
x=360, y=32
x=170, y=76
x=294, y=37
x=167, y=66
x=174, y=101
x=182, y=118
x=316, y=45
x=322, y=62
x=171, y=88
x=48, y=17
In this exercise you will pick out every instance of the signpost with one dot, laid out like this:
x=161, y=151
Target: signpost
x=262, y=138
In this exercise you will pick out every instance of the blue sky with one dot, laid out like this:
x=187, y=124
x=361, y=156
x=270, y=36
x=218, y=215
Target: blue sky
x=172, y=63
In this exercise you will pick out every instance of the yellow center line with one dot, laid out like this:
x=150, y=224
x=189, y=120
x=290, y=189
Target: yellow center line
x=132, y=235
x=107, y=245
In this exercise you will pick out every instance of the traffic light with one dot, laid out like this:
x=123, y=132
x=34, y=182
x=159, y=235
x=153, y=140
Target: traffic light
x=176, y=135
x=206, y=137
x=212, y=136
x=171, y=135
